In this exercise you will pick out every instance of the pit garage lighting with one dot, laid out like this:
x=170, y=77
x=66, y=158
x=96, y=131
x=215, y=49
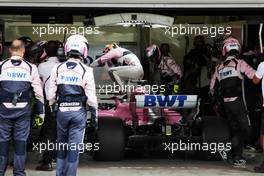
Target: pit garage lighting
x=134, y=19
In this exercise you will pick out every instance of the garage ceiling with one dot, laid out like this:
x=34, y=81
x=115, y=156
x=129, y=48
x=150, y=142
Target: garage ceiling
x=134, y=3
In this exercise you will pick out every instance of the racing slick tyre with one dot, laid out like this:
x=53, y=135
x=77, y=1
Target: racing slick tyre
x=111, y=138
x=215, y=135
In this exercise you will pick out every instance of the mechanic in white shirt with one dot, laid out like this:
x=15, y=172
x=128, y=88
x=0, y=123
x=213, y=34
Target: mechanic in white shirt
x=48, y=131
x=258, y=76
x=45, y=68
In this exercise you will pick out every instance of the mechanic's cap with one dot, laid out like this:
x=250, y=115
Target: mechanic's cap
x=25, y=39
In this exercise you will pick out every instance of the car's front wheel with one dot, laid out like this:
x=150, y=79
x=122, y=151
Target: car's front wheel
x=111, y=138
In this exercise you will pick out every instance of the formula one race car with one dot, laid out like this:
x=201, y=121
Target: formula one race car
x=155, y=122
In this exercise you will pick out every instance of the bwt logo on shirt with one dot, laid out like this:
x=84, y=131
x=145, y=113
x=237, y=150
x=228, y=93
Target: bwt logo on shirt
x=164, y=101
x=223, y=74
x=16, y=75
x=69, y=78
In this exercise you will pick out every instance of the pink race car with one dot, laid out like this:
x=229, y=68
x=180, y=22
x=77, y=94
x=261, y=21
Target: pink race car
x=155, y=120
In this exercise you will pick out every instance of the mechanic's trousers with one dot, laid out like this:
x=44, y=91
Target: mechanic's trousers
x=240, y=125
x=121, y=73
x=20, y=128
x=70, y=132
x=48, y=134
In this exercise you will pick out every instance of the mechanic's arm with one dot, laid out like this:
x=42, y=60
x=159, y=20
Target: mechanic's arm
x=90, y=89
x=51, y=97
x=246, y=69
x=259, y=73
x=114, y=53
x=38, y=90
x=256, y=80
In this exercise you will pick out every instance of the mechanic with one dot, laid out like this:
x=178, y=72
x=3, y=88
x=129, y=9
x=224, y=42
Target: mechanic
x=37, y=52
x=253, y=97
x=258, y=76
x=124, y=65
x=19, y=80
x=193, y=63
x=72, y=84
x=170, y=71
x=28, y=43
x=48, y=130
x=229, y=74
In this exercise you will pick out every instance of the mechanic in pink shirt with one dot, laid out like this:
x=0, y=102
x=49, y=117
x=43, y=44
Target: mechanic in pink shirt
x=171, y=72
x=229, y=76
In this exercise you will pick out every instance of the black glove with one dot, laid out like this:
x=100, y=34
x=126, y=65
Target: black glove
x=93, y=121
x=54, y=107
x=38, y=120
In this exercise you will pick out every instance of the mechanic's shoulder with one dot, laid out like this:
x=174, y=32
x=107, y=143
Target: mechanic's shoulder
x=118, y=50
x=42, y=65
x=261, y=64
x=241, y=62
x=33, y=66
x=5, y=61
x=57, y=65
x=219, y=66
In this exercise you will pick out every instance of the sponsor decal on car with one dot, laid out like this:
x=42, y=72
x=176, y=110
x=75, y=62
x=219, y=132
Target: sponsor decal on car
x=170, y=101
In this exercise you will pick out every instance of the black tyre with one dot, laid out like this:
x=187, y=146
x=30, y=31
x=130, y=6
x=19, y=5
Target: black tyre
x=214, y=132
x=111, y=139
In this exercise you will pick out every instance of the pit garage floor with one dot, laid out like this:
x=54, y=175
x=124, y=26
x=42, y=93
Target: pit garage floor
x=149, y=166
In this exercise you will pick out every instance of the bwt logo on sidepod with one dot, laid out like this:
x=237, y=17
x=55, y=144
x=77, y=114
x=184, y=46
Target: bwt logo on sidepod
x=164, y=101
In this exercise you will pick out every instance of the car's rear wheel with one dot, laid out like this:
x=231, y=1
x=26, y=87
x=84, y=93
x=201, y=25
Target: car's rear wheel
x=215, y=134
x=111, y=138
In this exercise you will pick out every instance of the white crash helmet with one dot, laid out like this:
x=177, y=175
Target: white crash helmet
x=78, y=37
x=76, y=45
x=231, y=44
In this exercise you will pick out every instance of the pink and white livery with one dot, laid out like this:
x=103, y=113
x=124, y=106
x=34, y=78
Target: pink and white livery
x=229, y=74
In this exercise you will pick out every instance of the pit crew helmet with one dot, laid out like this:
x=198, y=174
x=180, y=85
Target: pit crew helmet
x=37, y=50
x=231, y=44
x=76, y=45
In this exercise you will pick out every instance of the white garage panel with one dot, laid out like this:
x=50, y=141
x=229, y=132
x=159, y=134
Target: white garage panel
x=135, y=3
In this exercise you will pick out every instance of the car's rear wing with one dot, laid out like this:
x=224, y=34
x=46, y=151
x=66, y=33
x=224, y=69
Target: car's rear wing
x=170, y=101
